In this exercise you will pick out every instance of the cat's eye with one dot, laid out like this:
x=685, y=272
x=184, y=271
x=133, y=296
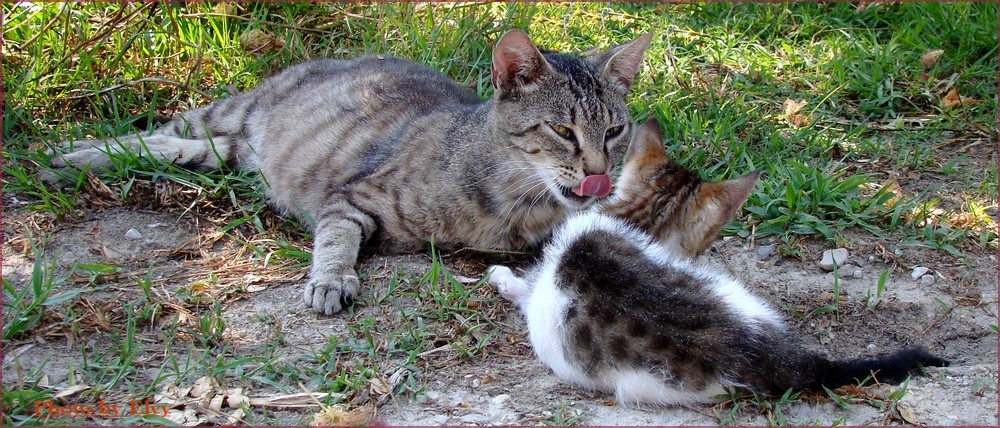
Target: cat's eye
x=613, y=131
x=562, y=131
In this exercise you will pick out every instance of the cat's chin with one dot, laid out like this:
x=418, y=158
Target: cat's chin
x=571, y=200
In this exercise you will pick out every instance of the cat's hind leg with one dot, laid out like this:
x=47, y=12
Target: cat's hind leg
x=510, y=286
x=205, y=154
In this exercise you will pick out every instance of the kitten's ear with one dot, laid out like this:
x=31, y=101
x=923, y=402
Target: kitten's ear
x=715, y=204
x=622, y=61
x=646, y=144
x=516, y=62
x=730, y=195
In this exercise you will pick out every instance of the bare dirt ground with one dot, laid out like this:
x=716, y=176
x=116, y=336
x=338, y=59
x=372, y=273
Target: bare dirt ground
x=954, y=317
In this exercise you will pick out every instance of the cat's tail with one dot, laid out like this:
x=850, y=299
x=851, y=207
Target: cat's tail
x=892, y=368
x=786, y=366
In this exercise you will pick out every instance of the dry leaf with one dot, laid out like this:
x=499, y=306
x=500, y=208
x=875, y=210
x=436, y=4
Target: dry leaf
x=792, y=113
x=466, y=280
x=203, y=387
x=216, y=402
x=929, y=58
x=73, y=390
x=828, y=297
x=293, y=400
x=907, y=415
x=338, y=415
x=955, y=100
x=258, y=41
x=225, y=9
x=235, y=398
x=892, y=185
x=237, y=417
x=380, y=388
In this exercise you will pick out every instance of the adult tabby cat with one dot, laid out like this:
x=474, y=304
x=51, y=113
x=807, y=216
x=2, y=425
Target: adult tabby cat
x=616, y=305
x=383, y=149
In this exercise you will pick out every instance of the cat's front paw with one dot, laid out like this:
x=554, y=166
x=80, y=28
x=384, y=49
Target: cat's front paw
x=509, y=285
x=330, y=293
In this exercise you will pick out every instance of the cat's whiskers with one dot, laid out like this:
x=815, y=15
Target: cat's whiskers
x=502, y=173
x=498, y=171
x=533, y=181
x=510, y=211
x=534, y=175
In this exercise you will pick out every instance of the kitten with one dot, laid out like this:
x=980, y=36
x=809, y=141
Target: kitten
x=384, y=150
x=616, y=304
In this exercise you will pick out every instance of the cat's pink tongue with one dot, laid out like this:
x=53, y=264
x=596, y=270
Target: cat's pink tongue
x=594, y=185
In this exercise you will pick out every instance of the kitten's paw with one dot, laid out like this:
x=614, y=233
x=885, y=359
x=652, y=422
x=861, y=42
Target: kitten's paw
x=328, y=295
x=509, y=285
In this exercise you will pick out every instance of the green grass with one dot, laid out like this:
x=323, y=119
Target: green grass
x=717, y=76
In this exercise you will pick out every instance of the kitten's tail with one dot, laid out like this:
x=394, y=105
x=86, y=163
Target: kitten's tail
x=892, y=368
x=801, y=370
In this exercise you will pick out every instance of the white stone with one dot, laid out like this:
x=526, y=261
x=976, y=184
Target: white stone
x=133, y=234
x=927, y=280
x=919, y=272
x=830, y=257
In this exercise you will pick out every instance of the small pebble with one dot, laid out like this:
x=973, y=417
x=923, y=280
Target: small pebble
x=133, y=234
x=846, y=271
x=763, y=264
x=476, y=419
x=764, y=251
x=919, y=271
x=858, y=273
x=927, y=280
x=500, y=399
x=830, y=257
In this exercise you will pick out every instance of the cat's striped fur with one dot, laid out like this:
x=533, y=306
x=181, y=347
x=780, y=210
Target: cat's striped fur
x=382, y=149
x=617, y=305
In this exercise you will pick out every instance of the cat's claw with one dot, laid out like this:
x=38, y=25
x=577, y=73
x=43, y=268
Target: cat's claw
x=328, y=296
x=507, y=283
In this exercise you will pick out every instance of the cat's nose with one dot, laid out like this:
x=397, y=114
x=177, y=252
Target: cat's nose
x=594, y=168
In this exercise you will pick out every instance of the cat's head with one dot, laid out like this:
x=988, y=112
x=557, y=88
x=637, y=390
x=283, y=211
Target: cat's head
x=565, y=115
x=670, y=202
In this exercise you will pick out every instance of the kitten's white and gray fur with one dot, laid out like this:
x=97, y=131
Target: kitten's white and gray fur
x=380, y=149
x=616, y=304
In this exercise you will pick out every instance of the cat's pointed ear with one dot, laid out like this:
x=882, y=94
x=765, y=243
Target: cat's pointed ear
x=622, y=62
x=646, y=144
x=517, y=63
x=717, y=203
x=730, y=195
